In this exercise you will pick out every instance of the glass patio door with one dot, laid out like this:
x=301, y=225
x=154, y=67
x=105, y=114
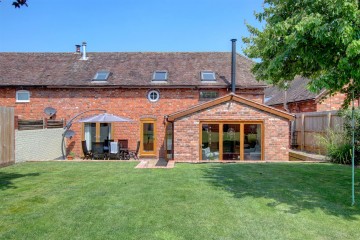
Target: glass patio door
x=96, y=132
x=231, y=142
x=89, y=134
x=169, y=141
x=252, y=142
x=210, y=145
x=148, y=139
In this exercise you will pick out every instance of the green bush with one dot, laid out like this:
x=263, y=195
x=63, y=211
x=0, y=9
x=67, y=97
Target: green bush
x=340, y=154
x=338, y=145
x=337, y=148
x=346, y=114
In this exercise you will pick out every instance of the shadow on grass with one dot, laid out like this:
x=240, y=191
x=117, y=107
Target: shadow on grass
x=290, y=187
x=6, y=179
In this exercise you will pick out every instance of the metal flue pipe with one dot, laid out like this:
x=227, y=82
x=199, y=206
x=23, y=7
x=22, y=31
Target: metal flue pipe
x=233, y=65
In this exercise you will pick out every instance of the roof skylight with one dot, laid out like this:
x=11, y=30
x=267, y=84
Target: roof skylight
x=101, y=75
x=208, y=76
x=160, y=76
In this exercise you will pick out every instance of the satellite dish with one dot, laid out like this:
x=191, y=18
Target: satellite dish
x=69, y=133
x=49, y=111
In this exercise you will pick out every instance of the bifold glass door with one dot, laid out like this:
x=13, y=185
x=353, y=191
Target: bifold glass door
x=252, y=142
x=231, y=141
x=210, y=142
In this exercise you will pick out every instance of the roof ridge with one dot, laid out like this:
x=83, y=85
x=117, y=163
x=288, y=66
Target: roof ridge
x=215, y=52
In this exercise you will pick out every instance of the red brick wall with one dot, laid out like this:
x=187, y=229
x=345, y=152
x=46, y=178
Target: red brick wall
x=131, y=103
x=331, y=103
x=328, y=104
x=255, y=94
x=187, y=131
x=304, y=106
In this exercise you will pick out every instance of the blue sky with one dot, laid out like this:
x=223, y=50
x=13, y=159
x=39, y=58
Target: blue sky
x=125, y=25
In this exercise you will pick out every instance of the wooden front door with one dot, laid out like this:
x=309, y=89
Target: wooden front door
x=148, y=138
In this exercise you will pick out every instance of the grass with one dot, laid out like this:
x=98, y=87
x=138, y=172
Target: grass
x=112, y=200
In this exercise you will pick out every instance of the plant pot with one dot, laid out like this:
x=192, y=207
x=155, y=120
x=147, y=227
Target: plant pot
x=70, y=157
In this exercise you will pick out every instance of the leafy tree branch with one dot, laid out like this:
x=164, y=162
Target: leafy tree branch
x=19, y=3
x=318, y=39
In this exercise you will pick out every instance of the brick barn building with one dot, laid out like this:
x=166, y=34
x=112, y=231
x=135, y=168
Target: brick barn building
x=181, y=103
x=299, y=99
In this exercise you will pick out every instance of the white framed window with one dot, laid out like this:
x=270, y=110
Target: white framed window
x=160, y=76
x=22, y=96
x=101, y=75
x=153, y=95
x=208, y=76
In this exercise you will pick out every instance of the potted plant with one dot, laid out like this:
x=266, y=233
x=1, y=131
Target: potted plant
x=71, y=156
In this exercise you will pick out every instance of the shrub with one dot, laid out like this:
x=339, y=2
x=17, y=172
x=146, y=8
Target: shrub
x=346, y=114
x=338, y=145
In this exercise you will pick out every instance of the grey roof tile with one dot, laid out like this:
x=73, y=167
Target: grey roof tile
x=296, y=92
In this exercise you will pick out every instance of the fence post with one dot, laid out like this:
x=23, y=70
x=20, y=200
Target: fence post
x=16, y=122
x=328, y=121
x=45, y=123
x=7, y=136
x=302, y=131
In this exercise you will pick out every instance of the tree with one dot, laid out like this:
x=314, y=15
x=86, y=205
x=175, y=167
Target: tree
x=19, y=3
x=318, y=39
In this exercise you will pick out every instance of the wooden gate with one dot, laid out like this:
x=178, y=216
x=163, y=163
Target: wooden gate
x=7, y=136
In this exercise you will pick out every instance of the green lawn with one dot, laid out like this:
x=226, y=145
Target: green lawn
x=112, y=200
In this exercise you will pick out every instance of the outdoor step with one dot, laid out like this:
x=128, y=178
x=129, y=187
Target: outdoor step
x=155, y=163
x=303, y=156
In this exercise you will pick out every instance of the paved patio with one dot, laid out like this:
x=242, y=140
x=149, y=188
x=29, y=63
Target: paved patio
x=155, y=163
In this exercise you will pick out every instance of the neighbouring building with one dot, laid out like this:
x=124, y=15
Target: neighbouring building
x=299, y=99
x=183, y=104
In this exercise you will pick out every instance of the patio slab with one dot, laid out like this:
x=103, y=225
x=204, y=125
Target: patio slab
x=155, y=163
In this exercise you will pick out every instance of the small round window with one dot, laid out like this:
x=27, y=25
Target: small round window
x=153, y=95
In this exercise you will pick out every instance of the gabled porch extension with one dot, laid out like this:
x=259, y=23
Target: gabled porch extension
x=229, y=128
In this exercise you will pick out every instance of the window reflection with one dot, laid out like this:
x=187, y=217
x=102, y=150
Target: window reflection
x=169, y=141
x=148, y=137
x=90, y=134
x=210, y=142
x=252, y=142
x=231, y=141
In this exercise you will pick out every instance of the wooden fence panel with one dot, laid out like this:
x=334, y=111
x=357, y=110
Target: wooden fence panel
x=309, y=125
x=39, y=124
x=7, y=136
x=30, y=124
x=55, y=124
x=337, y=123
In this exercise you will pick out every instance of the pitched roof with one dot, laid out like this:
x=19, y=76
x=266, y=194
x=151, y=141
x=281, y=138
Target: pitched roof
x=296, y=92
x=226, y=98
x=134, y=69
